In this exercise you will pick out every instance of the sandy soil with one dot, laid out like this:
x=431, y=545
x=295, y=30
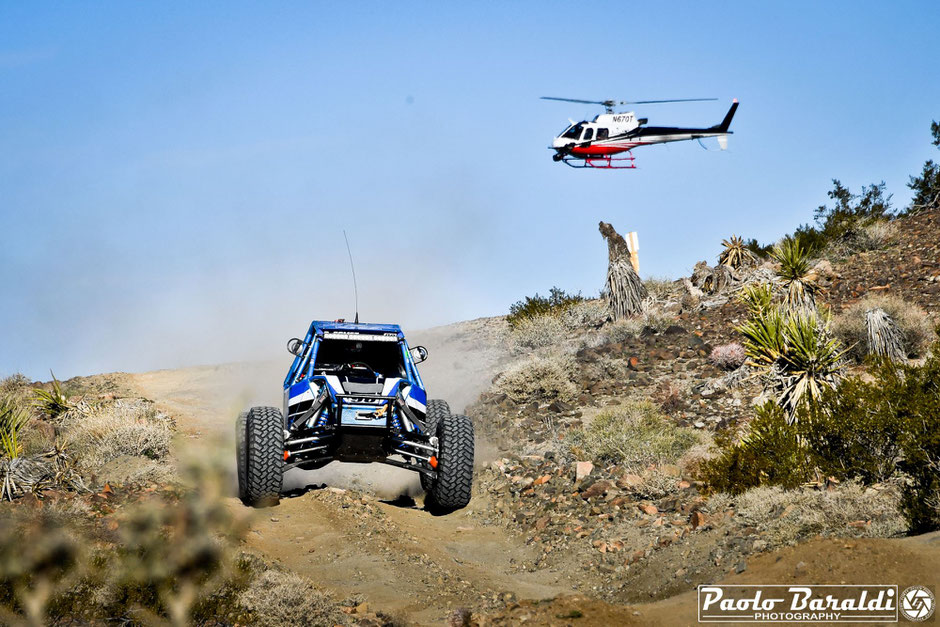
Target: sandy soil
x=905, y=562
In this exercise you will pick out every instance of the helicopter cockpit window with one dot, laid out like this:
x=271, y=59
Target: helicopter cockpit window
x=588, y=135
x=602, y=133
x=574, y=132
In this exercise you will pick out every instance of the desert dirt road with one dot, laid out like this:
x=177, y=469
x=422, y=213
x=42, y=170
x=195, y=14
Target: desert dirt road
x=376, y=540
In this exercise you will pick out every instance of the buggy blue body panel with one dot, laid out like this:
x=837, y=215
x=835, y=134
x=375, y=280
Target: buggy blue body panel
x=355, y=404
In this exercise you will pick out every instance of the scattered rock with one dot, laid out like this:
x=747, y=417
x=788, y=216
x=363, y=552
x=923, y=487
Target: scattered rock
x=582, y=470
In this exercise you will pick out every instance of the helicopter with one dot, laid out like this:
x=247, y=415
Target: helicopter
x=606, y=141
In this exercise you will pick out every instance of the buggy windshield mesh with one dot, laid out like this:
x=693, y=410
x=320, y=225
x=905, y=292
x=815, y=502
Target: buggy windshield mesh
x=385, y=358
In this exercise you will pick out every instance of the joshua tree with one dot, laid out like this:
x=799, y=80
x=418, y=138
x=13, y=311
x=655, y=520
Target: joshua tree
x=625, y=291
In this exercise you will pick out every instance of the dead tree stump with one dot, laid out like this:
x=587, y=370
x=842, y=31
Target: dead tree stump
x=625, y=291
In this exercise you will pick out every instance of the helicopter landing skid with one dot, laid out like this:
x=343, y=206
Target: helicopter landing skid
x=608, y=162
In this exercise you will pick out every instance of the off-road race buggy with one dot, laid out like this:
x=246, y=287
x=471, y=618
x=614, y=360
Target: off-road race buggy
x=353, y=394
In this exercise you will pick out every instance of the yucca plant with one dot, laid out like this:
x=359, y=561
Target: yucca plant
x=51, y=402
x=757, y=297
x=796, y=354
x=885, y=339
x=794, y=272
x=764, y=340
x=813, y=361
x=13, y=419
x=736, y=253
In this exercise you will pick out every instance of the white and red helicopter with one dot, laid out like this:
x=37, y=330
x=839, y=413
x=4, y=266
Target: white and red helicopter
x=606, y=141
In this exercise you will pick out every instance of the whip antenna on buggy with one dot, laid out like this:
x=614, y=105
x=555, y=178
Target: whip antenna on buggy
x=353, y=267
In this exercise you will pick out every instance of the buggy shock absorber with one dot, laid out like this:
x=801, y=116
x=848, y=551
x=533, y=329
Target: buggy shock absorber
x=405, y=413
x=393, y=419
x=314, y=410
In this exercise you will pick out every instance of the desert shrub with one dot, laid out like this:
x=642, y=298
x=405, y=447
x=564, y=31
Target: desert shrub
x=875, y=235
x=654, y=484
x=769, y=453
x=668, y=396
x=652, y=320
x=843, y=227
x=37, y=438
x=585, y=314
x=277, y=598
x=657, y=320
x=538, y=332
x=662, y=289
x=38, y=561
x=556, y=302
x=851, y=433
x=917, y=331
x=551, y=329
x=926, y=187
x=883, y=428
x=172, y=556
x=760, y=251
x=14, y=385
x=728, y=356
x=52, y=402
x=634, y=435
x=538, y=378
x=624, y=329
x=913, y=392
x=786, y=516
x=108, y=432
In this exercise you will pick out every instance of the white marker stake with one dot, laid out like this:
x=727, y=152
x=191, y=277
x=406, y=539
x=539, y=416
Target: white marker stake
x=633, y=244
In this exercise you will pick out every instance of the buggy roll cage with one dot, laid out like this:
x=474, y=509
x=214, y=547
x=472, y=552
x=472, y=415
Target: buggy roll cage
x=305, y=360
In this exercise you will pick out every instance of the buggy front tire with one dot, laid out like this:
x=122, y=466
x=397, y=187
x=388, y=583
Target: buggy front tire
x=451, y=489
x=264, y=456
x=241, y=454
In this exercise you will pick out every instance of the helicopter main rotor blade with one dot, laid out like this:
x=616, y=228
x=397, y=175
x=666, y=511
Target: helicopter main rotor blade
x=598, y=102
x=628, y=102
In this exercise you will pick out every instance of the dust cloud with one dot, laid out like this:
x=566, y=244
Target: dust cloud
x=463, y=358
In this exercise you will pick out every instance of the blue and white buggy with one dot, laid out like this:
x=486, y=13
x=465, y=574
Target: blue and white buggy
x=353, y=394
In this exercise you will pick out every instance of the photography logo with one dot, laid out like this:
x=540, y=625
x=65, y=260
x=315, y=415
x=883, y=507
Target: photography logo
x=917, y=604
x=811, y=603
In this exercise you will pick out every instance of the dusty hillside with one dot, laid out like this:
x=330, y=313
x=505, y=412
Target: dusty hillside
x=607, y=545
x=559, y=531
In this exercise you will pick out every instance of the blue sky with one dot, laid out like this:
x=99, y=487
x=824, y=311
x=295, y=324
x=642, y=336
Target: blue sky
x=175, y=179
